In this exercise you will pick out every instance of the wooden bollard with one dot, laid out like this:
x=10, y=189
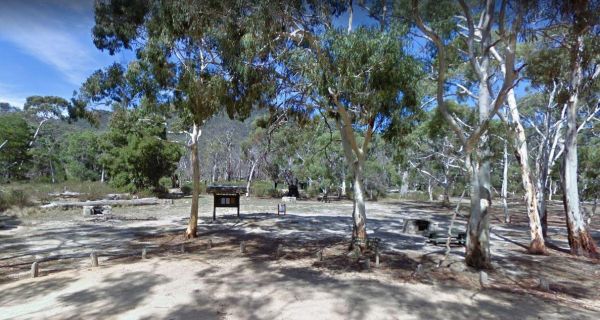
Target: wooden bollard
x=377, y=258
x=94, y=258
x=209, y=244
x=144, y=253
x=243, y=247
x=35, y=270
x=544, y=285
x=484, y=281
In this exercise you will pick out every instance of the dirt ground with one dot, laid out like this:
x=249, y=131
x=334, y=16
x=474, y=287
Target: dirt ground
x=185, y=279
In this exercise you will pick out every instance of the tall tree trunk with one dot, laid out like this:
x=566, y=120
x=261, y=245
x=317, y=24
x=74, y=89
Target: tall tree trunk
x=52, y=172
x=191, y=231
x=446, y=200
x=250, y=177
x=541, y=199
x=429, y=190
x=343, y=183
x=359, y=216
x=405, y=183
x=102, y=175
x=478, y=232
x=504, y=191
x=478, y=229
x=580, y=240
x=537, y=244
x=356, y=162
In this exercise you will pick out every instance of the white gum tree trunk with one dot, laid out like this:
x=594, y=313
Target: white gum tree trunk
x=580, y=240
x=405, y=182
x=355, y=158
x=250, y=177
x=537, y=245
x=504, y=191
x=191, y=231
x=478, y=228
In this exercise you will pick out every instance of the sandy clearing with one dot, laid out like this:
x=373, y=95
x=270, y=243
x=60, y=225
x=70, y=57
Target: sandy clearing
x=199, y=286
x=221, y=284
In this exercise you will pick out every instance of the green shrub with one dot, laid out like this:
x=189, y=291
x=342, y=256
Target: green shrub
x=313, y=190
x=417, y=196
x=188, y=187
x=165, y=182
x=15, y=197
x=263, y=189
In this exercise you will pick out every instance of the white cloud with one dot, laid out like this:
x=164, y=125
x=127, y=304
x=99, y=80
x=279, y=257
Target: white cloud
x=56, y=33
x=8, y=94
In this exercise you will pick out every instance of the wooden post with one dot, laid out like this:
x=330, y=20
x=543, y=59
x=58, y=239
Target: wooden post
x=35, y=271
x=237, y=197
x=279, y=252
x=144, y=253
x=243, y=247
x=483, y=279
x=215, y=207
x=544, y=285
x=376, y=257
x=182, y=248
x=94, y=259
x=209, y=243
x=320, y=254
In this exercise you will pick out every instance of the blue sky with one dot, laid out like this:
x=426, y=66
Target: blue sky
x=46, y=48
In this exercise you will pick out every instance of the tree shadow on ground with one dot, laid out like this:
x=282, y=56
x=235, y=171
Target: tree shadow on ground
x=9, y=222
x=113, y=296
x=330, y=296
x=33, y=289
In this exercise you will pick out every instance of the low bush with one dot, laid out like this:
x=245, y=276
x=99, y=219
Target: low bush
x=313, y=190
x=14, y=198
x=188, y=187
x=263, y=189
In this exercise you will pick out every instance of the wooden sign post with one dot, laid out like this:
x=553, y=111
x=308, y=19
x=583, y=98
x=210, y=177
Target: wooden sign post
x=225, y=197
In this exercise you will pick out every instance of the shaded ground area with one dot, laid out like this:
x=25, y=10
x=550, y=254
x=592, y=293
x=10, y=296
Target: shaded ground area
x=222, y=283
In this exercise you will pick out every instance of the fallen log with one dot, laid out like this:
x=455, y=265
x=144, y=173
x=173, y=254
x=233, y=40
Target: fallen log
x=66, y=194
x=115, y=203
x=117, y=196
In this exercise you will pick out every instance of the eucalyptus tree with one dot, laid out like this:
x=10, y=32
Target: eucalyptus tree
x=42, y=109
x=436, y=154
x=575, y=27
x=81, y=156
x=465, y=33
x=361, y=77
x=190, y=49
x=15, y=158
